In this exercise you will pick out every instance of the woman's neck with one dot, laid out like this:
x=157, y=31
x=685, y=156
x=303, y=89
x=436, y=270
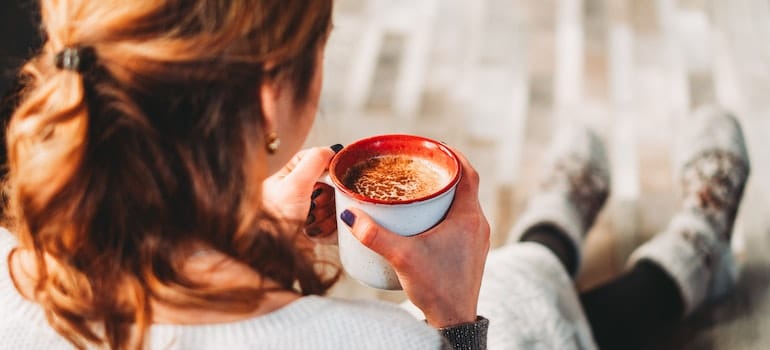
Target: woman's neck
x=207, y=267
x=210, y=267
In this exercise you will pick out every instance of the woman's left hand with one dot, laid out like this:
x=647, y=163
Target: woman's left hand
x=291, y=190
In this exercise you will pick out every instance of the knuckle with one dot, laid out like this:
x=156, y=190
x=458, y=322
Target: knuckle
x=323, y=150
x=477, y=222
x=485, y=227
x=473, y=221
x=318, y=210
x=467, y=187
x=331, y=219
x=400, y=258
x=329, y=224
x=486, y=232
x=479, y=225
x=483, y=235
x=326, y=232
x=473, y=176
x=368, y=234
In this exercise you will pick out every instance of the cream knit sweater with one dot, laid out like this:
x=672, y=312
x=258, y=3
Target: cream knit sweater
x=526, y=294
x=309, y=323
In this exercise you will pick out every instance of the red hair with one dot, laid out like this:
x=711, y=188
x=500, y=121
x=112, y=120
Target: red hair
x=115, y=171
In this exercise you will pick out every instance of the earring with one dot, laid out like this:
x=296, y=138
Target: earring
x=273, y=142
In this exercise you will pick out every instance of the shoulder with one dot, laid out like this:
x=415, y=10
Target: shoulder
x=312, y=322
x=376, y=314
x=373, y=325
x=23, y=325
x=7, y=243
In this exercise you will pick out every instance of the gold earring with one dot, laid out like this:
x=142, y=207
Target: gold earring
x=273, y=142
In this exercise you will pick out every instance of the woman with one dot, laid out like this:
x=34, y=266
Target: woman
x=137, y=161
x=145, y=215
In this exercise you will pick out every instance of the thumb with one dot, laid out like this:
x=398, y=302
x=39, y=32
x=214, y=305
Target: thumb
x=372, y=235
x=311, y=165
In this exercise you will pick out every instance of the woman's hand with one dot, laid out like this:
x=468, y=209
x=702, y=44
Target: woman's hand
x=321, y=222
x=440, y=269
x=293, y=192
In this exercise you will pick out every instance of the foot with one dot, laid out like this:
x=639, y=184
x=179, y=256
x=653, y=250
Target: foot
x=574, y=190
x=695, y=248
x=712, y=184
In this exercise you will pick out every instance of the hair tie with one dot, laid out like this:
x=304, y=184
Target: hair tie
x=78, y=59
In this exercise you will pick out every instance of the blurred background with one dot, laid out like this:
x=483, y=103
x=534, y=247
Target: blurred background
x=496, y=78
x=18, y=38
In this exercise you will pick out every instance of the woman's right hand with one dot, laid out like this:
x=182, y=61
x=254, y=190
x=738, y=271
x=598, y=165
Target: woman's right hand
x=440, y=269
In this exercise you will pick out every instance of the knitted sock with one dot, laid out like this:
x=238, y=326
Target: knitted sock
x=695, y=248
x=575, y=188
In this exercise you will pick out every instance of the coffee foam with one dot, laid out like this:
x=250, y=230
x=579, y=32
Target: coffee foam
x=396, y=178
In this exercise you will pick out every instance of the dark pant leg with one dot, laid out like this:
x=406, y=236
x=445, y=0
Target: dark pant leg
x=551, y=237
x=628, y=311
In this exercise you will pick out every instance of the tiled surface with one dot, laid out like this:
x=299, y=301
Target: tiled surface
x=488, y=88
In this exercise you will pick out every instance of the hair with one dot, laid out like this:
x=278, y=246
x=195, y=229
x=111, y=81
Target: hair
x=114, y=170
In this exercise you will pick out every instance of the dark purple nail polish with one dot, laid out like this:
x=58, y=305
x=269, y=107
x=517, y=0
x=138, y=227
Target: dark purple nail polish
x=348, y=217
x=310, y=219
x=337, y=148
x=316, y=193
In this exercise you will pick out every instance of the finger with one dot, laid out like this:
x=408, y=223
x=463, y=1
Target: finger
x=321, y=214
x=322, y=194
x=320, y=208
x=310, y=165
x=289, y=167
x=388, y=244
x=466, y=193
x=323, y=231
x=326, y=226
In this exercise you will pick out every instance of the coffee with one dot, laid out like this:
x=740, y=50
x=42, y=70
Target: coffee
x=395, y=178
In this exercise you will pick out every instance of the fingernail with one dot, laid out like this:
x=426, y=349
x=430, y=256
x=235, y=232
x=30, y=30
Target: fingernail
x=312, y=205
x=313, y=231
x=310, y=219
x=316, y=193
x=337, y=148
x=348, y=217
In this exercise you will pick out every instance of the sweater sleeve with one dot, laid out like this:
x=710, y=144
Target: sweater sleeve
x=466, y=336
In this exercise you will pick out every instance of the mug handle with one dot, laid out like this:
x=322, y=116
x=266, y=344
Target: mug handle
x=325, y=178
